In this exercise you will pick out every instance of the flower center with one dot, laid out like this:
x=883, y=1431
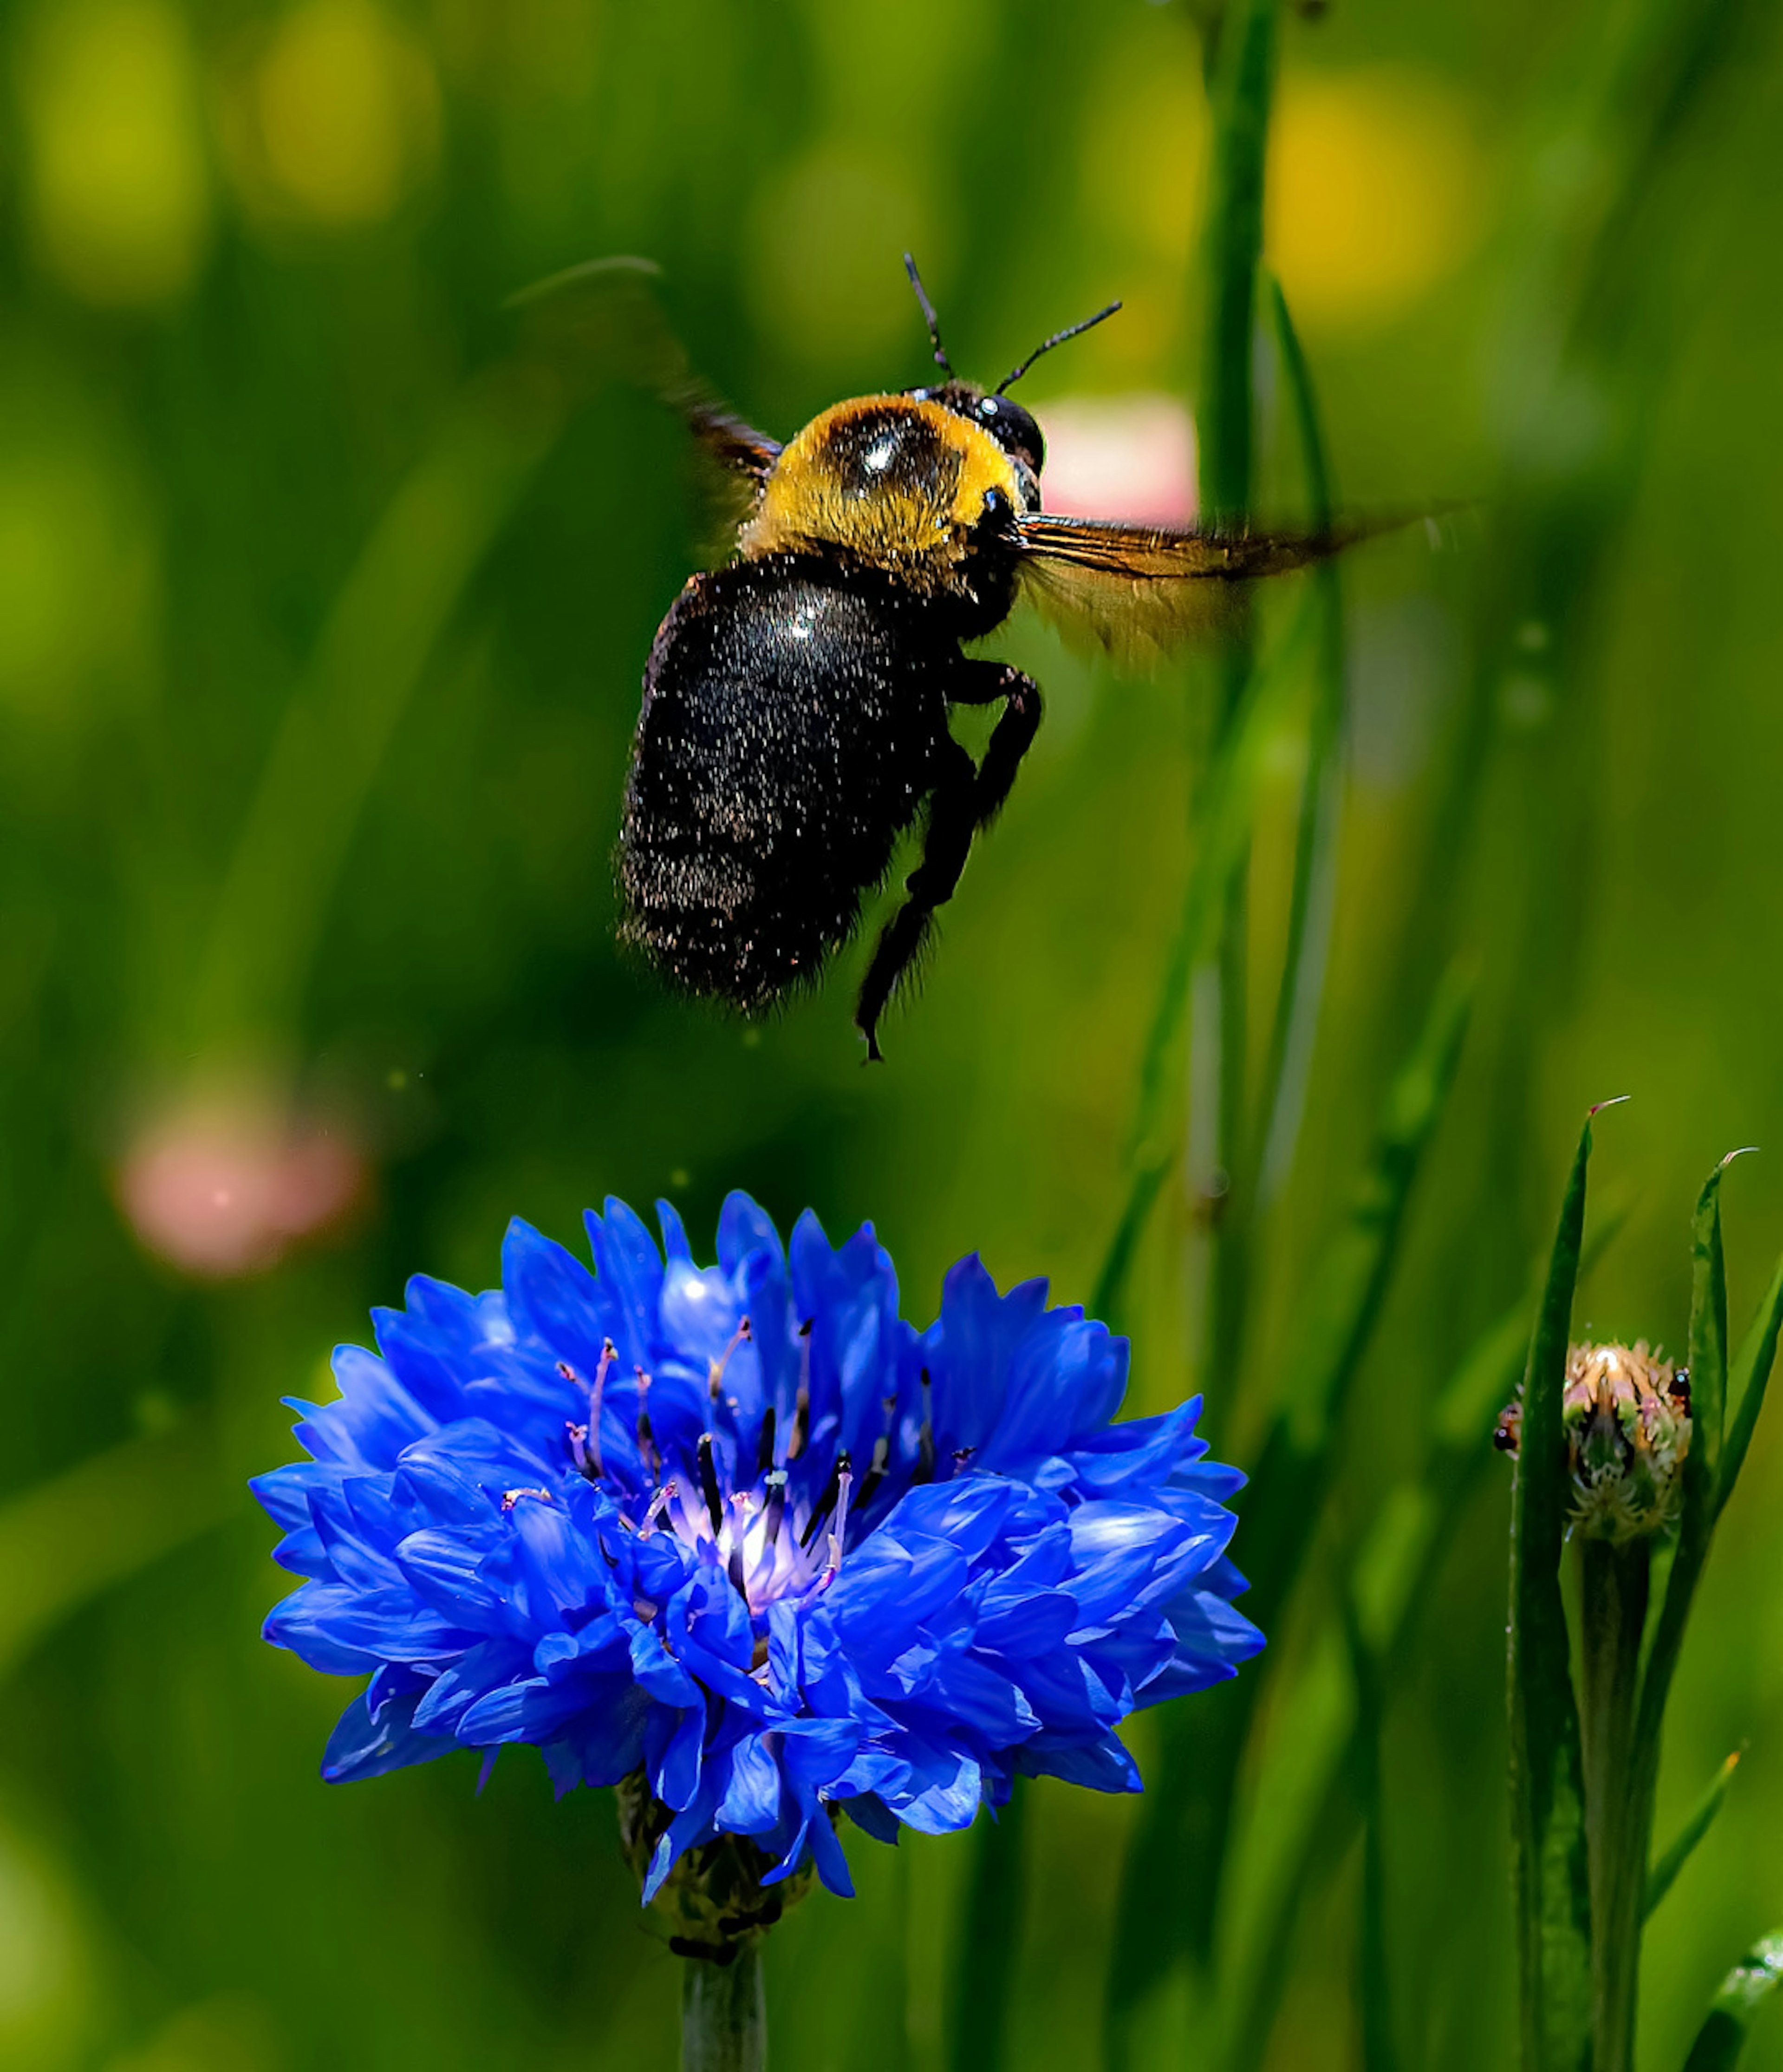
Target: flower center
x=771, y=1540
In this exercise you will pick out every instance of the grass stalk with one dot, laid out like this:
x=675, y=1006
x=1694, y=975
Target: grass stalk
x=1613, y=1611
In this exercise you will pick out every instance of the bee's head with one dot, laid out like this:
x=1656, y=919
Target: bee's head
x=1013, y=428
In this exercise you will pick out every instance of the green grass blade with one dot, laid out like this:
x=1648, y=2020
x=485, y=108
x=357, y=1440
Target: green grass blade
x=105, y=1520
x=1546, y=1785
x=988, y=1943
x=1663, y=1873
x=1224, y=811
x=409, y=578
x=1746, y=1384
x=1150, y=1171
x=1192, y=1793
x=1373, y=1982
x=1340, y=1308
x=1707, y=1340
x=1241, y=90
x=1744, y=1991
x=1310, y=905
x=1397, y=1562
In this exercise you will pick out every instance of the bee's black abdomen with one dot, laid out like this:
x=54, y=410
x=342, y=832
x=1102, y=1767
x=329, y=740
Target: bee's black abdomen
x=793, y=718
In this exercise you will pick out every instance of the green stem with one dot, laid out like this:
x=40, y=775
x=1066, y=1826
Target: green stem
x=1614, y=1606
x=724, y=2013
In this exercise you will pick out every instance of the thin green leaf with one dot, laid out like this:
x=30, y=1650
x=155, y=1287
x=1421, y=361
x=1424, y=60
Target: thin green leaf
x=1546, y=1786
x=1664, y=1872
x=1708, y=1327
x=1707, y=1340
x=1744, y=1991
x=1746, y=1385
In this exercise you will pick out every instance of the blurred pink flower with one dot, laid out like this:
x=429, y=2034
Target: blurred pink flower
x=1121, y=456
x=220, y=1189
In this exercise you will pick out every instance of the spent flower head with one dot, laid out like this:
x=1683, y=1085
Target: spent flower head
x=1625, y=1413
x=742, y=1538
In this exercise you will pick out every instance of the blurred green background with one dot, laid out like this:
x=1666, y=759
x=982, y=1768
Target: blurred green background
x=322, y=610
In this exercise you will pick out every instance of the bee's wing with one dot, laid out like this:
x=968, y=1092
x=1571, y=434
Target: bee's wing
x=1142, y=591
x=605, y=318
x=735, y=446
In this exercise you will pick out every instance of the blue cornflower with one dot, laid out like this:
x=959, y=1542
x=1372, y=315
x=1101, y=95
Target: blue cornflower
x=741, y=1534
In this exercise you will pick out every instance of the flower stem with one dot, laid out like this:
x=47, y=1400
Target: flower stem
x=724, y=2013
x=1615, y=1609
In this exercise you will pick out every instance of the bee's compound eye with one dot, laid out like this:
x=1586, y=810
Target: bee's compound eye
x=998, y=510
x=1013, y=430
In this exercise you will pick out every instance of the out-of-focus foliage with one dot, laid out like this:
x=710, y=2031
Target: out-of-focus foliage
x=322, y=616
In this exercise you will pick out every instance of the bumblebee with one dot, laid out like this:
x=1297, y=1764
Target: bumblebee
x=795, y=703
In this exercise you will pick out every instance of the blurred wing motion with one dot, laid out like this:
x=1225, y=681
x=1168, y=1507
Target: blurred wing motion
x=1142, y=591
x=604, y=320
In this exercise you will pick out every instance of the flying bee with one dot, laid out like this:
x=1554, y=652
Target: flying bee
x=794, y=721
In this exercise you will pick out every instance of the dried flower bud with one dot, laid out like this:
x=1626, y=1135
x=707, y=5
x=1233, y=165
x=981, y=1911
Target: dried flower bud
x=1626, y=1414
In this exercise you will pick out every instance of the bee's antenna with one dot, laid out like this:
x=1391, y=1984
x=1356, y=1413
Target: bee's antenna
x=1058, y=338
x=930, y=320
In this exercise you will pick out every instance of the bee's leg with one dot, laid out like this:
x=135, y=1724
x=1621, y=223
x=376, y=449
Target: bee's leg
x=965, y=799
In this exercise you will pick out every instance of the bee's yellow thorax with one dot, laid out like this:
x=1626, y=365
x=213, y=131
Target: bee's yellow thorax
x=897, y=481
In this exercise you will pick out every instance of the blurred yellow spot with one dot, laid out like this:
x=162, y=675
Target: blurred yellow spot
x=44, y=1966
x=1145, y=157
x=1374, y=193
x=70, y=536
x=340, y=120
x=118, y=194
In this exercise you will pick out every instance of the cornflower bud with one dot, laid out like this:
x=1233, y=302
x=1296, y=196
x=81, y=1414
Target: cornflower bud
x=1626, y=1414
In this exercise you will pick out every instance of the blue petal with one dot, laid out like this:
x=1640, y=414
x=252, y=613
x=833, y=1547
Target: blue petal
x=674, y=1230
x=1066, y=1379
x=1102, y=1765
x=441, y=1567
x=362, y=1746
x=552, y=1297
x=744, y=1227
x=434, y=1346
x=344, y=1631
x=971, y=1349
x=374, y=1420
x=750, y=1804
x=631, y=1278
x=700, y=1310
x=454, y=1692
